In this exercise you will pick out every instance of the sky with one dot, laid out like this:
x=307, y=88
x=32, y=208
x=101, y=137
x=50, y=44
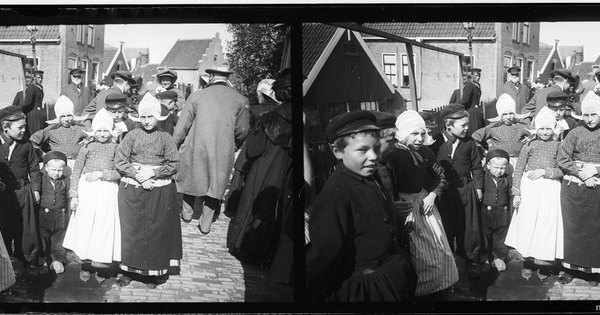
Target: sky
x=573, y=33
x=159, y=38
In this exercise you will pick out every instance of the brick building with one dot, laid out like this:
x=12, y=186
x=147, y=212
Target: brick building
x=59, y=48
x=496, y=47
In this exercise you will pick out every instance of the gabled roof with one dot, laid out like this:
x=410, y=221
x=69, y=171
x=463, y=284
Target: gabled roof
x=433, y=30
x=567, y=51
x=146, y=72
x=109, y=55
x=543, y=54
x=21, y=32
x=131, y=53
x=544, y=62
x=314, y=39
x=582, y=69
x=186, y=53
x=597, y=61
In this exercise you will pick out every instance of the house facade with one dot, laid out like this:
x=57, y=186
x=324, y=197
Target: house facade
x=59, y=48
x=495, y=48
x=114, y=60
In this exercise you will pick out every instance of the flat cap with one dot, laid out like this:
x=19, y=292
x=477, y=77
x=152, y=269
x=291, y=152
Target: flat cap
x=454, y=111
x=125, y=75
x=476, y=70
x=166, y=72
x=11, y=113
x=115, y=100
x=384, y=120
x=167, y=95
x=496, y=153
x=429, y=119
x=565, y=73
x=284, y=80
x=556, y=99
x=55, y=155
x=349, y=123
x=40, y=72
x=76, y=72
x=514, y=70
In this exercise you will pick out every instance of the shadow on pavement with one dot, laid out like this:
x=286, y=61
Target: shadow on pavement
x=258, y=289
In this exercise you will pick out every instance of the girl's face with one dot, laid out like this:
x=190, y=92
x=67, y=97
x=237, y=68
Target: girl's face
x=545, y=133
x=102, y=135
x=415, y=139
x=507, y=118
x=148, y=122
x=65, y=120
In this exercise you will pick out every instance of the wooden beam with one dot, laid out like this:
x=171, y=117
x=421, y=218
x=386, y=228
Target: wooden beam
x=411, y=78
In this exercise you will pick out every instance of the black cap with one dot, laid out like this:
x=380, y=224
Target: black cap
x=454, y=111
x=476, y=70
x=557, y=99
x=76, y=72
x=349, y=123
x=125, y=75
x=115, y=100
x=496, y=153
x=40, y=72
x=514, y=70
x=565, y=73
x=384, y=120
x=167, y=95
x=55, y=155
x=429, y=119
x=11, y=113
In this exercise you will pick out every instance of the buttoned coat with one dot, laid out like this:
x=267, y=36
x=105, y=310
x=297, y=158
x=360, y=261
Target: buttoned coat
x=539, y=99
x=520, y=95
x=214, y=121
x=80, y=98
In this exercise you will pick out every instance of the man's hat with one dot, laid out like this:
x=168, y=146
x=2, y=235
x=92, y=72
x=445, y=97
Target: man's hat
x=476, y=70
x=222, y=69
x=494, y=153
x=349, y=123
x=454, y=111
x=138, y=81
x=384, y=120
x=166, y=72
x=167, y=95
x=565, y=73
x=11, y=113
x=557, y=99
x=115, y=100
x=40, y=72
x=514, y=70
x=55, y=155
x=125, y=75
x=76, y=72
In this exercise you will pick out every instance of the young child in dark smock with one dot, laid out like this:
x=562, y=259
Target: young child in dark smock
x=352, y=257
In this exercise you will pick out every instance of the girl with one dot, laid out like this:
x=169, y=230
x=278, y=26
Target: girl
x=536, y=230
x=412, y=162
x=94, y=230
x=147, y=158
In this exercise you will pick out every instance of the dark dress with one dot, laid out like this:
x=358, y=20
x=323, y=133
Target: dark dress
x=32, y=107
x=470, y=99
x=352, y=256
x=259, y=202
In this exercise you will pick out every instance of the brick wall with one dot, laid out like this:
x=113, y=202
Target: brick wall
x=81, y=51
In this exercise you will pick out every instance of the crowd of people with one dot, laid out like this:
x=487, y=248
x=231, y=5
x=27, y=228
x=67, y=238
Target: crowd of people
x=402, y=205
x=107, y=182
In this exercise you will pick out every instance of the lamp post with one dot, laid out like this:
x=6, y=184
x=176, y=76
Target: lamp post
x=32, y=29
x=469, y=27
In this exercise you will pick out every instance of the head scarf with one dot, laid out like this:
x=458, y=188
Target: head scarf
x=149, y=106
x=407, y=123
x=591, y=104
x=102, y=121
x=506, y=104
x=64, y=106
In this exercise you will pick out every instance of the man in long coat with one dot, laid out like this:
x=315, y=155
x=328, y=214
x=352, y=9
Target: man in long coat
x=122, y=82
x=33, y=106
x=20, y=97
x=470, y=100
x=213, y=123
x=518, y=91
x=78, y=93
x=562, y=79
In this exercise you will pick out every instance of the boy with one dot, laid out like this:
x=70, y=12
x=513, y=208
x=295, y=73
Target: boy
x=168, y=99
x=352, y=255
x=53, y=209
x=459, y=156
x=20, y=172
x=495, y=210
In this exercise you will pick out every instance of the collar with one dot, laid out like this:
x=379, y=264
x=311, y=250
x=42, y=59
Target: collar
x=76, y=86
x=219, y=82
x=118, y=89
x=448, y=136
x=6, y=139
x=344, y=170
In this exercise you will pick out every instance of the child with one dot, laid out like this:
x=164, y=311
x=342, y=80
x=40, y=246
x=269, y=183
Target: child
x=558, y=102
x=168, y=99
x=63, y=134
x=20, y=171
x=458, y=154
x=352, y=256
x=495, y=209
x=116, y=104
x=506, y=131
x=94, y=230
x=147, y=159
x=413, y=162
x=53, y=210
x=536, y=229
x=579, y=158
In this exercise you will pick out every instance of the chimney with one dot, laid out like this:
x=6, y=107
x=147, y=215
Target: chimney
x=121, y=43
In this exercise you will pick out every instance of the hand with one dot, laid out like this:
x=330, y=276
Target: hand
x=36, y=195
x=479, y=194
x=2, y=187
x=516, y=201
x=428, y=203
x=74, y=203
x=535, y=174
x=144, y=175
x=587, y=172
x=409, y=223
x=402, y=208
x=147, y=185
x=590, y=182
x=93, y=176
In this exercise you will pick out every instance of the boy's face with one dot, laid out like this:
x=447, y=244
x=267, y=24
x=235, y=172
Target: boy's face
x=591, y=120
x=54, y=168
x=360, y=154
x=497, y=166
x=102, y=135
x=148, y=122
x=117, y=114
x=415, y=139
x=65, y=120
x=16, y=130
x=507, y=118
x=169, y=104
x=545, y=133
x=559, y=113
x=166, y=81
x=459, y=128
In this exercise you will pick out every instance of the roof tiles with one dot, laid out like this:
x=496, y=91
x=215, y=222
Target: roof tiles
x=443, y=29
x=315, y=38
x=21, y=32
x=186, y=53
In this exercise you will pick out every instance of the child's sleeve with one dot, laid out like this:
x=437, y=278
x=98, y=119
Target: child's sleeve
x=476, y=167
x=77, y=170
x=35, y=176
x=170, y=165
x=564, y=158
x=122, y=163
x=439, y=183
x=520, y=169
x=39, y=137
x=111, y=174
x=481, y=135
x=554, y=172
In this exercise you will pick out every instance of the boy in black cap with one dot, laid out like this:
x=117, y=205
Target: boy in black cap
x=116, y=105
x=53, y=210
x=352, y=256
x=168, y=101
x=558, y=101
x=495, y=210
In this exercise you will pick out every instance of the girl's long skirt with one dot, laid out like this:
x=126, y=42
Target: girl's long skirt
x=7, y=273
x=150, y=229
x=581, y=217
x=94, y=231
x=431, y=253
x=536, y=228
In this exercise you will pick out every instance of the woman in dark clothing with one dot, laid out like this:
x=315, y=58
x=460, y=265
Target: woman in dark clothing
x=32, y=105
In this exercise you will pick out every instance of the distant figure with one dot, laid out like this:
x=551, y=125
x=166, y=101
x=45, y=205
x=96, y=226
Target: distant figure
x=470, y=100
x=519, y=92
x=77, y=92
x=32, y=105
x=20, y=97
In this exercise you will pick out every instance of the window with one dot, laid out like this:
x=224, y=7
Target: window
x=72, y=63
x=90, y=35
x=526, y=33
x=368, y=105
x=530, y=69
x=520, y=65
x=507, y=64
x=515, y=32
x=215, y=58
x=405, y=80
x=95, y=68
x=390, y=68
x=79, y=33
x=84, y=67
